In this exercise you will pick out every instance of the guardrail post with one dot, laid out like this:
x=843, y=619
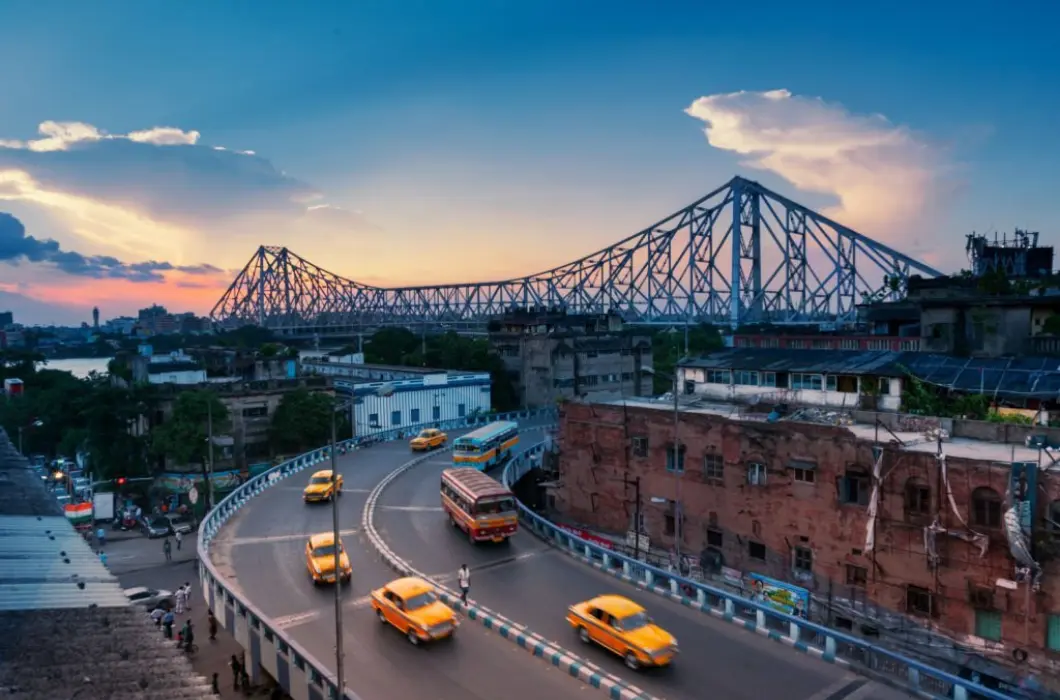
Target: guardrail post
x=914, y=676
x=793, y=631
x=701, y=597
x=829, y=648
x=649, y=578
x=674, y=590
x=730, y=608
x=627, y=569
x=760, y=618
x=607, y=560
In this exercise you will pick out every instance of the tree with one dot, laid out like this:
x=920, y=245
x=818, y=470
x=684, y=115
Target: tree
x=302, y=421
x=182, y=437
x=112, y=435
x=668, y=348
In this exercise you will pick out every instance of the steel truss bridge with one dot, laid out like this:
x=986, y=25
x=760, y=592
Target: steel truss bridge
x=741, y=254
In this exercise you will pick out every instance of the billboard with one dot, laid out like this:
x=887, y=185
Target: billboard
x=778, y=595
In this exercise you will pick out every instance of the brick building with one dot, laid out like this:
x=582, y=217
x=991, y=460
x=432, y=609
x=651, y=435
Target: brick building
x=791, y=499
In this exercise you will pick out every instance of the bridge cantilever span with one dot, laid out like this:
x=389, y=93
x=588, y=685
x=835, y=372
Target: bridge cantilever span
x=740, y=254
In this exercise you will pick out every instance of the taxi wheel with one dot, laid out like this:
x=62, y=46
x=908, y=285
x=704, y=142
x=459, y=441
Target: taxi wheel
x=583, y=634
x=631, y=661
x=414, y=639
x=381, y=616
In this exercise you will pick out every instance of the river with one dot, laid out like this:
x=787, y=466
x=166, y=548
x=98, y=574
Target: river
x=79, y=366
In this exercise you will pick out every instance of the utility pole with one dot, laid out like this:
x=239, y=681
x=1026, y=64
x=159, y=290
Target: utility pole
x=635, y=483
x=209, y=449
x=20, y=451
x=679, y=469
x=340, y=675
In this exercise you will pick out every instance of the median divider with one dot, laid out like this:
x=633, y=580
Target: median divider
x=266, y=646
x=590, y=674
x=829, y=645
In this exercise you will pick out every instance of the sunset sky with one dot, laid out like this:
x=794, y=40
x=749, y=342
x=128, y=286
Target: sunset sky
x=144, y=155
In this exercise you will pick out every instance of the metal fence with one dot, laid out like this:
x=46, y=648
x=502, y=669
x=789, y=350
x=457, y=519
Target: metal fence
x=267, y=647
x=824, y=642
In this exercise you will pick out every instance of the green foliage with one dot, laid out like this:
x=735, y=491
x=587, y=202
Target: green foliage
x=1051, y=326
x=400, y=346
x=668, y=348
x=183, y=435
x=1012, y=418
x=302, y=421
x=922, y=399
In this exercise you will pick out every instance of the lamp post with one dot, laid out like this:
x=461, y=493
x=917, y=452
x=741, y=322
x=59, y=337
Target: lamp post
x=340, y=674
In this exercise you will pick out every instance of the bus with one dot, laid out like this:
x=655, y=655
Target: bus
x=479, y=505
x=486, y=447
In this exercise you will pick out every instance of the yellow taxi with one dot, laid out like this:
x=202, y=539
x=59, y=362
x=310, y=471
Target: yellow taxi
x=624, y=628
x=320, y=487
x=428, y=439
x=320, y=559
x=411, y=605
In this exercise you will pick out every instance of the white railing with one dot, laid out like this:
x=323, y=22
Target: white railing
x=827, y=643
x=267, y=647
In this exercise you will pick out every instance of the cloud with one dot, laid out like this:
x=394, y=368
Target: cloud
x=883, y=177
x=17, y=246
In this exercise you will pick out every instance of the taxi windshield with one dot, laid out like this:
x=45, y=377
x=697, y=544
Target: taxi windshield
x=420, y=601
x=320, y=480
x=326, y=550
x=426, y=433
x=633, y=622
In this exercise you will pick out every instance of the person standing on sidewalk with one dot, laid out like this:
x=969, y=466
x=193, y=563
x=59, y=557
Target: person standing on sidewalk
x=102, y=557
x=182, y=598
x=187, y=595
x=237, y=671
x=167, y=549
x=180, y=538
x=463, y=578
x=101, y=535
x=211, y=624
x=168, y=620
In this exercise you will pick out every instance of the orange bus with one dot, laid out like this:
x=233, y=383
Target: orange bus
x=479, y=505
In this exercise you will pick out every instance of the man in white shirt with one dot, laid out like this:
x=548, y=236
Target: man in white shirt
x=463, y=577
x=182, y=596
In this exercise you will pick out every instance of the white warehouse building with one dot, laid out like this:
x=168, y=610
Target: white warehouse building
x=389, y=398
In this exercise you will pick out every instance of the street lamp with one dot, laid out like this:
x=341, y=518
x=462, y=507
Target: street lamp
x=34, y=424
x=679, y=467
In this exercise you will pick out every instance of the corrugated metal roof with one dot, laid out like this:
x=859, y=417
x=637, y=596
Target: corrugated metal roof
x=1011, y=378
x=66, y=627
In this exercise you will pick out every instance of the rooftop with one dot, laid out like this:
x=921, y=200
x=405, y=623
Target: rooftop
x=1024, y=377
x=912, y=441
x=66, y=627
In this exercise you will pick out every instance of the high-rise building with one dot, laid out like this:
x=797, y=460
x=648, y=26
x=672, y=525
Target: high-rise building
x=95, y=317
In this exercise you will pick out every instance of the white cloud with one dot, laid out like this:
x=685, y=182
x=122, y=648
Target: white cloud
x=883, y=176
x=165, y=136
x=60, y=136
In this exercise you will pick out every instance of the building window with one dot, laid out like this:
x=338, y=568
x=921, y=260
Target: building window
x=640, y=446
x=854, y=487
x=395, y=418
x=436, y=413
x=810, y=382
x=679, y=465
x=857, y=576
x=919, y=601
x=461, y=410
x=745, y=378
x=986, y=507
x=255, y=412
x=715, y=538
x=802, y=560
x=768, y=379
x=830, y=382
x=917, y=498
x=756, y=550
x=713, y=467
x=718, y=376
x=1052, y=633
x=670, y=519
x=803, y=472
x=373, y=420
x=849, y=344
x=756, y=474
x=988, y=625
x=414, y=416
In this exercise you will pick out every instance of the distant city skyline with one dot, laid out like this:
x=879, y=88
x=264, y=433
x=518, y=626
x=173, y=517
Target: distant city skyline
x=448, y=144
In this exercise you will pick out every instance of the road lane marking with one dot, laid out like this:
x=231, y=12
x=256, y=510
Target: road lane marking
x=842, y=688
x=288, y=621
x=281, y=538
x=414, y=509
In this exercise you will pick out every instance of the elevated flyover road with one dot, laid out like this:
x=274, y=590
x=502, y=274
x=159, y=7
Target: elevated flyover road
x=532, y=584
x=261, y=552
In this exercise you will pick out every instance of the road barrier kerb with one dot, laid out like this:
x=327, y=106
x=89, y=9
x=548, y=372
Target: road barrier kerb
x=266, y=644
x=615, y=687
x=800, y=631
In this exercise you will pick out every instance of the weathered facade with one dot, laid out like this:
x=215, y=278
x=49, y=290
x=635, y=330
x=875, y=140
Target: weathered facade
x=792, y=500
x=554, y=356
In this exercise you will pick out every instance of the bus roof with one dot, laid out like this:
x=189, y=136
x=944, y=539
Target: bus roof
x=488, y=431
x=475, y=483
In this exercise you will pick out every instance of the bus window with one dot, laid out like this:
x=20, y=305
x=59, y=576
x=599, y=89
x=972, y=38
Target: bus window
x=495, y=507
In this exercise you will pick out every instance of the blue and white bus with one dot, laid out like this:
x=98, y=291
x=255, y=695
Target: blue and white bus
x=486, y=447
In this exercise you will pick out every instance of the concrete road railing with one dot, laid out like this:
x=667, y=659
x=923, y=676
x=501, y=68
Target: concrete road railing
x=822, y=642
x=267, y=647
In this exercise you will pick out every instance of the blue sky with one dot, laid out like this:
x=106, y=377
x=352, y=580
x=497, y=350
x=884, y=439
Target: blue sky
x=420, y=142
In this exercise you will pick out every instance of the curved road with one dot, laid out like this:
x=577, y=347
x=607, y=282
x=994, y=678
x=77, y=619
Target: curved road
x=533, y=584
x=261, y=552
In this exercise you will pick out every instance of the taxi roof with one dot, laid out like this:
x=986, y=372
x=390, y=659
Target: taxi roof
x=409, y=586
x=322, y=539
x=429, y=431
x=616, y=605
x=322, y=472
